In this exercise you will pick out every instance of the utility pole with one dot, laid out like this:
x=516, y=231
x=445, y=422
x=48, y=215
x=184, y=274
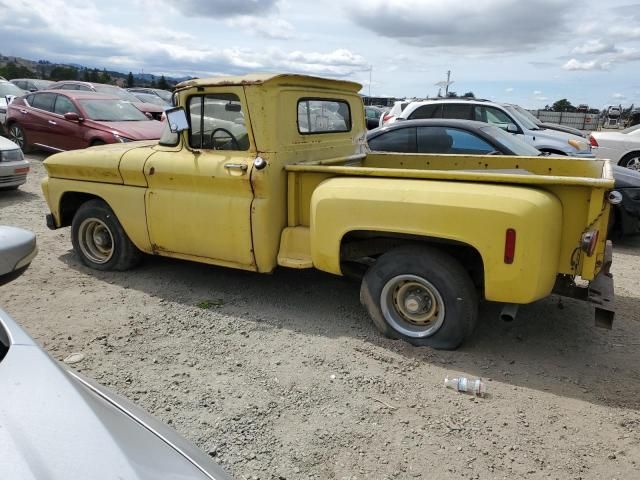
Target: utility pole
x=370, y=75
x=446, y=90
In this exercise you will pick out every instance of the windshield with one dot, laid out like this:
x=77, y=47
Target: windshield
x=111, y=111
x=166, y=96
x=150, y=98
x=117, y=91
x=528, y=114
x=635, y=128
x=526, y=123
x=42, y=84
x=511, y=142
x=7, y=88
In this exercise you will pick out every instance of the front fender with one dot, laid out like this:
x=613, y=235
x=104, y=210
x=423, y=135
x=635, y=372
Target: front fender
x=471, y=213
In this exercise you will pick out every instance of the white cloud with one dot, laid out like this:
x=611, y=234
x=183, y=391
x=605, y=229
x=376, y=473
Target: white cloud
x=537, y=92
x=223, y=8
x=575, y=64
x=509, y=90
x=618, y=96
x=272, y=27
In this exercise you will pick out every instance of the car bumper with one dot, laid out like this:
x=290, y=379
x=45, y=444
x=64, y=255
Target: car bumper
x=582, y=155
x=13, y=174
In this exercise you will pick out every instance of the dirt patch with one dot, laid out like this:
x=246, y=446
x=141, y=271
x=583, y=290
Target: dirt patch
x=284, y=376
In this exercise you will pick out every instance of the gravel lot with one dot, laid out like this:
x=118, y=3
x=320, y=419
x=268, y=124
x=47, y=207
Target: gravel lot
x=285, y=377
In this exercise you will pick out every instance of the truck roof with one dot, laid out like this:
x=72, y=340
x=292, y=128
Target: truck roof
x=282, y=79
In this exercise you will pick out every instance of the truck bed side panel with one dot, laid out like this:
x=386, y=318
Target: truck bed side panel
x=471, y=213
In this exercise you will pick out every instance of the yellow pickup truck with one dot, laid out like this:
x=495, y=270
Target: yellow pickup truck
x=266, y=171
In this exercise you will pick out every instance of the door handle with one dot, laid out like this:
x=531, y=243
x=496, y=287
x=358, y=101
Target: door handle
x=236, y=166
x=51, y=122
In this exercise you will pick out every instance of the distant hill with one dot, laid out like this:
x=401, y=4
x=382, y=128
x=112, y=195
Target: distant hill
x=17, y=67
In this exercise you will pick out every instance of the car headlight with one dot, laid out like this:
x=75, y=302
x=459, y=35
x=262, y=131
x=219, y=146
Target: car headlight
x=11, y=155
x=122, y=139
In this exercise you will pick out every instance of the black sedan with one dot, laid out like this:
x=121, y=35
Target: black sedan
x=467, y=137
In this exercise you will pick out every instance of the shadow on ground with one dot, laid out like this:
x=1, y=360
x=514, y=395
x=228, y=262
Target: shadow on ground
x=551, y=346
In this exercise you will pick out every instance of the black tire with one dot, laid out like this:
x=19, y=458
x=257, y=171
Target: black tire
x=99, y=239
x=6, y=189
x=96, y=143
x=456, y=309
x=631, y=161
x=16, y=135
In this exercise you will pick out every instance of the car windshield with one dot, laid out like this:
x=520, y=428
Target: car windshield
x=117, y=91
x=510, y=142
x=7, y=88
x=41, y=84
x=526, y=113
x=526, y=123
x=106, y=110
x=150, y=98
x=635, y=130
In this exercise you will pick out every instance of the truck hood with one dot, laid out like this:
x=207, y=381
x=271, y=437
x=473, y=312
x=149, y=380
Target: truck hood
x=562, y=128
x=56, y=425
x=94, y=164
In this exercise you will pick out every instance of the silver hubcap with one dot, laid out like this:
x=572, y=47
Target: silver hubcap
x=633, y=163
x=17, y=136
x=412, y=305
x=95, y=240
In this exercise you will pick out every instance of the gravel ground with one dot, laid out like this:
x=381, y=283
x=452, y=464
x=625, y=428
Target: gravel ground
x=283, y=376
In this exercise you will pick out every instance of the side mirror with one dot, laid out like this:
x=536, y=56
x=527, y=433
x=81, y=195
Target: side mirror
x=233, y=107
x=17, y=249
x=177, y=119
x=9, y=98
x=72, y=117
x=511, y=128
x=148, y=115
x=33, y=89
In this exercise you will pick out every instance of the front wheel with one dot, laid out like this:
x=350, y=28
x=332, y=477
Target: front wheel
x=99, y=239
x=17, y=136
x=631, y=161
x=421, y=295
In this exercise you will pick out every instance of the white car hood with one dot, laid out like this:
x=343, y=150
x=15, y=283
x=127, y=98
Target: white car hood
x=6, y=144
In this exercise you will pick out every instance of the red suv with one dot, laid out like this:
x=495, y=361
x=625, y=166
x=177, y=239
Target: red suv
x=154, y=110
x=57, y=121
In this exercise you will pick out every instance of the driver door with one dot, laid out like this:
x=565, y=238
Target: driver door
x=199, y=198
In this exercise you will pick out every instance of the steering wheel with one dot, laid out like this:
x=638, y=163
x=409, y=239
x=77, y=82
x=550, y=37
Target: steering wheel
x=234, y=140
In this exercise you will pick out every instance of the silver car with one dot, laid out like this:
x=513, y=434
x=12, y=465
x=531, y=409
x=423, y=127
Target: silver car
x=56, y=424
x=13, y=166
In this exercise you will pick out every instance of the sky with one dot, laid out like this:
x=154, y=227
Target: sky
x=530, y=52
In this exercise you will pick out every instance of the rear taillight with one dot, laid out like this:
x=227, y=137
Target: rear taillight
x=593, y=141
x=589, y=242
x=386, y=118
x=509, y=246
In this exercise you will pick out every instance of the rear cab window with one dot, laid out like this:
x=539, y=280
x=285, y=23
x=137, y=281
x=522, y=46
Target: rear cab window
x=320, y=115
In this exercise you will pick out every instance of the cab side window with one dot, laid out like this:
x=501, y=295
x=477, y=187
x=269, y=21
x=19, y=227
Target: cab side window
x=398, y=140
x=43, y=101
x=217, y=123
x=63, y=105
x=427, y=111
x=493, y=116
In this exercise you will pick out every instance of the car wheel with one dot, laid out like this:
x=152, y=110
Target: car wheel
x=421, y=295
x=99, y=239
x=17, y=136
x=631, y=161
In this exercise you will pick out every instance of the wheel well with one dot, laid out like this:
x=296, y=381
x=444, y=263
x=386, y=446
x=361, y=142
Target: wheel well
x=360, y=249
x=627, y=155
x=551, y=150
x=70, y=203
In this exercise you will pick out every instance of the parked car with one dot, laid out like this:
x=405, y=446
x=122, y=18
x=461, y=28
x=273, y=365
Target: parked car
x=147, y=108
x=153, y=99
x=8, y=91
x=158, y=92
x=372, y=116
x=550, y=141
x=396, y=110
x=622, y=147
x=468, y=137
x=13, y=166
x=68, y=120
x=58, y=424
x=545, y=125
x=32, y=84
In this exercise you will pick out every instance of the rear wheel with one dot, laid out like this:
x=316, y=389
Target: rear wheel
x=421, y=295
x=17, y=136
x=631, y=161
x=99, y=239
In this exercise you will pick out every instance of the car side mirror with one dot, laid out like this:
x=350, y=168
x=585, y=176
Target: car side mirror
x=511, y=128
x=9, y=98
x=72, y=117
x=232, y=107
x=33, y=89
x=177, y=119
x=17, y=249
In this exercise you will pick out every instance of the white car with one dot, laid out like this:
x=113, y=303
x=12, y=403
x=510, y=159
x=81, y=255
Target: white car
x=396, y=110
x=622, y=147
x=13, y=166
x=504, y=117
x=8, y=91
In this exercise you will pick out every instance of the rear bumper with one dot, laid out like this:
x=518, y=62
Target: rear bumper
x=599, y=292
